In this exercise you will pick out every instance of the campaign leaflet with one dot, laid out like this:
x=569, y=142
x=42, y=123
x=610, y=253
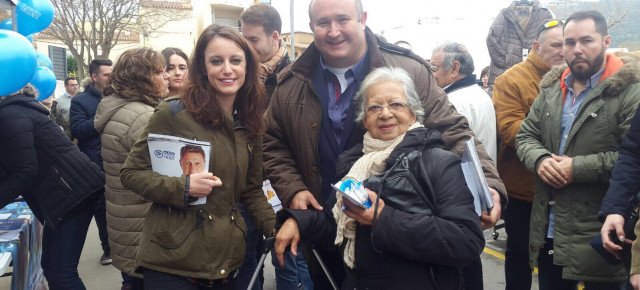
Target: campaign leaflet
x=174, y=156
x=473, y=174
x=354, y=192
x=272, y=198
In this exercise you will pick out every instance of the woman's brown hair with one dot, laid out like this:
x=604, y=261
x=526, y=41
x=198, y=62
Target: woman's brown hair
x=132, y=75
x=199, y=97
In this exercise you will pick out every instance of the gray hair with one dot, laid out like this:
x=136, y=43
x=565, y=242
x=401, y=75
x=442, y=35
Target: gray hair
x=391, y=74
x=456, y=52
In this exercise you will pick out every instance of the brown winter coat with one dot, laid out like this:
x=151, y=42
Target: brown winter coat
x=507, y=36
x=513, y=95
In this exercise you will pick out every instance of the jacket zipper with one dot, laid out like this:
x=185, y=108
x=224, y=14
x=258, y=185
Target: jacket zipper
x=61, y=178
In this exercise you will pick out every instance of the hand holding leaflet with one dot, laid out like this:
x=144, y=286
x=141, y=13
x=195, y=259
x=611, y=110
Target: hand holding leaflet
x=175, y=156
x=354, y=192
x=477, y=183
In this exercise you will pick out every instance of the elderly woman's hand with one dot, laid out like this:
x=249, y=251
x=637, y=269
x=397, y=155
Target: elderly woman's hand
x=287, y=235
x=361, y=215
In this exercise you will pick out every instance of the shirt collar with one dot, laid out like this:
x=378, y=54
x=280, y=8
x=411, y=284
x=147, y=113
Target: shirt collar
x=464, y=82
x=591, y=82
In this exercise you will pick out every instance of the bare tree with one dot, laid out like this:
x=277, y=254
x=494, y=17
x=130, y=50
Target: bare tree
x=91, y=28
x=613, y=10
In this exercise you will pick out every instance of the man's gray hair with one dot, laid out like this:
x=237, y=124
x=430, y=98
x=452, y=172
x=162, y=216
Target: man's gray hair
x=456, y=52
x=391, y=74
x=359, y=10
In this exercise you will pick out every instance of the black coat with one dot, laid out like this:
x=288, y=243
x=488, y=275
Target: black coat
x=38, y=161
x=419, y=246
x=624, y=183
x=81, y=113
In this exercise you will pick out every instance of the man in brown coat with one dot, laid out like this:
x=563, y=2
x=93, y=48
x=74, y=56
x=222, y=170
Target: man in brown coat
x=513, y=94
x=311, y=119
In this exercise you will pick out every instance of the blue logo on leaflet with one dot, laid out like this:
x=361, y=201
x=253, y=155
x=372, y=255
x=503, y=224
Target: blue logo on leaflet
x=169, y=155
x=164, y=154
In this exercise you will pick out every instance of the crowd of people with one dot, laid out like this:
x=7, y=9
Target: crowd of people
x=557, y=137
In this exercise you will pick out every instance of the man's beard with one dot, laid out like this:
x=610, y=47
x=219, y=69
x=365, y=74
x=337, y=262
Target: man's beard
x=592, y=67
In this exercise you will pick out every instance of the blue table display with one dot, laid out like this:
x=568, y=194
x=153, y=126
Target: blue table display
x=21, y=242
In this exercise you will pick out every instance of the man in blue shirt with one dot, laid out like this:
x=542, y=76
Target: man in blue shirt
x=570, y=140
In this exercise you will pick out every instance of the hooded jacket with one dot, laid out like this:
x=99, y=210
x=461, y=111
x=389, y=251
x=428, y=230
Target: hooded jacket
x=427, y=229
x=120, y=121
x=593, y=142
x=507, y=37
x=38, y=161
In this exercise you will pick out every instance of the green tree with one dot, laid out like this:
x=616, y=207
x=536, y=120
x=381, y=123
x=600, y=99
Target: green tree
x=72, y=66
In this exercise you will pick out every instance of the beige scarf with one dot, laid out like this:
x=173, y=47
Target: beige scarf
x=267, y=68
x=372, y=162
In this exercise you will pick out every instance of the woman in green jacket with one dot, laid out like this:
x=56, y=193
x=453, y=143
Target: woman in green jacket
x=202, y=246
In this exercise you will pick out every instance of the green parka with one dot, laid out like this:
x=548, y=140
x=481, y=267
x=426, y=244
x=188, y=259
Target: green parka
x=202, y=241
x=593, y=141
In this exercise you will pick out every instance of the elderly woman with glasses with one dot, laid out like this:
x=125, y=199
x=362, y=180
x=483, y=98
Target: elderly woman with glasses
x=421, y=226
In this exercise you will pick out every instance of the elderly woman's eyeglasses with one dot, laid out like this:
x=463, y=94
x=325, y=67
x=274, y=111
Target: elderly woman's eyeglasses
x=393, y=107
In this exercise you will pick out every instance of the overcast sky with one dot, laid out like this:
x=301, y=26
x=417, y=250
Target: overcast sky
x=463, y=21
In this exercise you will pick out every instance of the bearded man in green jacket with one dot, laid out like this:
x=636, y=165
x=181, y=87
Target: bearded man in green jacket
x=570, y=140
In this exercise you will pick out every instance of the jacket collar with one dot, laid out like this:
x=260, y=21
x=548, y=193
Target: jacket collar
x=611, y=79
x=537, y=63
x=464, y=82
x=305, y=65
x=92, y=90
x=23, y=99
x=416, y=139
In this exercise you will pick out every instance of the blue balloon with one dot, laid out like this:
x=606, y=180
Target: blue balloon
x=6, y=24
x=44, y=80
x=43, y=60
x=33, y=15
x=18, y=59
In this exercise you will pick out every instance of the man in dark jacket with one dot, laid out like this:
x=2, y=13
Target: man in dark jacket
x=622, y=194
x=81, y=113
x=310, y=119
x=261, y=26
x=624, y=186
x=60, y=184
